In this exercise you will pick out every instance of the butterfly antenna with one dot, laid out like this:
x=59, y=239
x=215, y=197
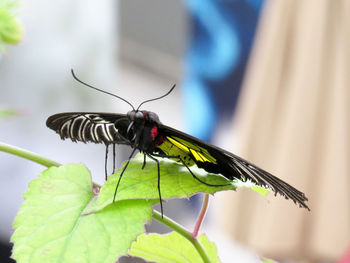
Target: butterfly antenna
x=158, y=97
x=82, y=82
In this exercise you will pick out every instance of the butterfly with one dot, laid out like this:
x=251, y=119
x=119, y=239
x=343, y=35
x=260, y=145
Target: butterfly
x=143, y=131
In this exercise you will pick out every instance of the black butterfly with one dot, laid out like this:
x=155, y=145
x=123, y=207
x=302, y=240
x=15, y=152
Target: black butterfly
x=143, y=131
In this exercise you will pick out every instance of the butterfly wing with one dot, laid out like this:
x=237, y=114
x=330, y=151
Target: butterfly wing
x=104, y=128
x=216, y=160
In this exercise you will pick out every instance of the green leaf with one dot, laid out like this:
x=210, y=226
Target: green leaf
x=50, y=226
x=261, y=190
x=175, y=181
x=249, y=184
x=171, y=248
x=10, y=28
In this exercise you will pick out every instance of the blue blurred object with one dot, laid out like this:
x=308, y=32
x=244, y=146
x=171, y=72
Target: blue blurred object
x=220, y=42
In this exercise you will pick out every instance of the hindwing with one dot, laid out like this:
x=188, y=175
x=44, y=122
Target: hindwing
x=216, y=160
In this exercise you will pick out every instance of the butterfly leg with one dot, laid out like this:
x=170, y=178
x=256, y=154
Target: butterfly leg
x=113, y=157
x=159, y=194
x=121, y=174
x=106, y=157
x=144, y=161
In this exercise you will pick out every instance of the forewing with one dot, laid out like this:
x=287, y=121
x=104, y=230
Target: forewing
x=90, y=127
x=216, y=160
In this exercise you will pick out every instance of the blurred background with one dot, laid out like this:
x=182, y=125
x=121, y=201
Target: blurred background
x=265, y=79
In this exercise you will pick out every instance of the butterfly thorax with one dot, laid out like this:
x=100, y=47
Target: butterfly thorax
x=143, y=130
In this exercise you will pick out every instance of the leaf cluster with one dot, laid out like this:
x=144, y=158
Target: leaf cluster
x=62, y=217
x=10, y=28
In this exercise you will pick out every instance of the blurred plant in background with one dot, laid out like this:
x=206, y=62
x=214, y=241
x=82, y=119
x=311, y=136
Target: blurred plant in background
x=6, y=112
x=10, y=27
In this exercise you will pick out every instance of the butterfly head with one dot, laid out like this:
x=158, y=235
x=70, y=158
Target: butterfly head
x=142, y=116
x=136, y=115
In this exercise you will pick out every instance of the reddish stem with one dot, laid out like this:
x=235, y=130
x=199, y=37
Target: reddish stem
x=201, y=216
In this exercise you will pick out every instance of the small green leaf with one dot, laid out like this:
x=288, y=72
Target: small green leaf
x=249, y=184
x=171, y=248
x=10, y=28
x=175, y=181
x=50, y=227
x=261, y=190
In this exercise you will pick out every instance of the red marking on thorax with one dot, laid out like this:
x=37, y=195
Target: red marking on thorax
x=154, y=132
x=144, y=114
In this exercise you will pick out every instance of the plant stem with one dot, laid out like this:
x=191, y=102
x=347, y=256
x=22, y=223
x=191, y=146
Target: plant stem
x=27, y=155
x=201, y=216
x=184, y=232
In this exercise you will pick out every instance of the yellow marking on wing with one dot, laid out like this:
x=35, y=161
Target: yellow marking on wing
x=196, y=155
x=188, y=144
x=204, y=158
x=171, y=149
x=177, y=144
x=200, y=154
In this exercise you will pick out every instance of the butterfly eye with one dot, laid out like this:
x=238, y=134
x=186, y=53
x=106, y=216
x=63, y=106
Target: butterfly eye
x=131, y=115
x=139, y=115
